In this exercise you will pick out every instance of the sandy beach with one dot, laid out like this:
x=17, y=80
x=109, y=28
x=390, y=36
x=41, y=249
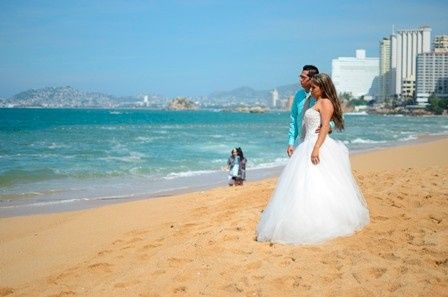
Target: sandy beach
x=202, y=243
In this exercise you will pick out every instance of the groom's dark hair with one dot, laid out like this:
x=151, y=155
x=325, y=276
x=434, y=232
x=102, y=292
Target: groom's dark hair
x=312, y=70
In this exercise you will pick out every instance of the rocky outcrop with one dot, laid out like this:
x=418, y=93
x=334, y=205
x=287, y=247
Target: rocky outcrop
x=182, y=104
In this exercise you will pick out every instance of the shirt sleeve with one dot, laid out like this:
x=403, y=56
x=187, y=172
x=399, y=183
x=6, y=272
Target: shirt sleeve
x=293, y=122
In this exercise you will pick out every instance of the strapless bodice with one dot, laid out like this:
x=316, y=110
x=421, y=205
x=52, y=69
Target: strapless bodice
x=311, y=121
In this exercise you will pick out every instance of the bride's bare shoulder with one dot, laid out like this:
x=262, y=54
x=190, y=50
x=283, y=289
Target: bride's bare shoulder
x=325, y=104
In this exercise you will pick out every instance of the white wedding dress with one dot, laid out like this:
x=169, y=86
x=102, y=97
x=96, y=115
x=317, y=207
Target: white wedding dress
x=314, y=203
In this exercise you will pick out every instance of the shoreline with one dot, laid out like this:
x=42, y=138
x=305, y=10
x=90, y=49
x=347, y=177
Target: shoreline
x=186, y=185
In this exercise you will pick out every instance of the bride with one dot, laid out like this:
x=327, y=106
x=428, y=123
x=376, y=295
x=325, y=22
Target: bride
x=316, y=197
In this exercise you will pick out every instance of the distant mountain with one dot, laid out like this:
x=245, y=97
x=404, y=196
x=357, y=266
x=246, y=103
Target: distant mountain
x=241, y=94
x=62, y=96
x=238, y=92
x=248, y=95
x=65, y=97
x=287, y=90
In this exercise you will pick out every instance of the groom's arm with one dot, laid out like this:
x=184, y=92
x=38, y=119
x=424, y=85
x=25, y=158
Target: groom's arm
x=296, y=110
x=329, y=131
x=296, y=116
x=293, y=129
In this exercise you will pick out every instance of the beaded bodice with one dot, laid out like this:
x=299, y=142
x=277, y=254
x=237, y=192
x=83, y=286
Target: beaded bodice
x=311, y=121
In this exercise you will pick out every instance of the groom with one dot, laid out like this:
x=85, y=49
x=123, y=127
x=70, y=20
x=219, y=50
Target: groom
x=297, y=108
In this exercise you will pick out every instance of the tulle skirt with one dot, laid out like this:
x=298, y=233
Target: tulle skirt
x=314, y=203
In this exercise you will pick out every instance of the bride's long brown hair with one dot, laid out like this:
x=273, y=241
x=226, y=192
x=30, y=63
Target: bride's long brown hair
x=323, y=81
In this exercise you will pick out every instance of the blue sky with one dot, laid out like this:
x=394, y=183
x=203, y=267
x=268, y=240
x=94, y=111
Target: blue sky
x=190, y=48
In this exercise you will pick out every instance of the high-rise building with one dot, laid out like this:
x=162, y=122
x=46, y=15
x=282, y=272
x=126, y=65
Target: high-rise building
x=384, y=78
x=432, y=76
x=441, y=44
x=274, y=98
x=356, y=75
x=405, y=45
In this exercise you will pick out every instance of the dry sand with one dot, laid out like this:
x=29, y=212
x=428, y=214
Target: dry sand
x=203, y=243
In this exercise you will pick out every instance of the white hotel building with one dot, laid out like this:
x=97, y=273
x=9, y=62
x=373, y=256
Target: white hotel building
x=385, y=76
x=357, y=75
x=405, y=45
x=432, y=71
x=274, y=98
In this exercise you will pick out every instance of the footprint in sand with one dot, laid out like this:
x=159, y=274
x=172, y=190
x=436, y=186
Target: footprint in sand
x=393, y=287
x=189, y=225
x=137, y=232
x=229, y=237
x=435, y=219
x=133, y=240
x=129, y=243
x=290, y=281
x=158, y=272
x=184, y=229
x=403, y=269
x=386, y=243
x=400, y=197
x=127, y=247
x=233, y=288
x=377, y=272
x=65, y=293
x=357, y=277
x=414, y=262
x=286, y=262
x=417, y=204
x=118, y=241
x=5, y=291
x=380, y=218
x=177, y=262
x=104, y=252
x=390, y=256
x=254, y=265
x=126, y=284
x=159, y=240
x=100, y=267
x=443, y=262
x=201, y=210
x=393, y=204
x=150, y=246
x=181, y=289
x=56, y=280
x=144, y=257
x=404, y=217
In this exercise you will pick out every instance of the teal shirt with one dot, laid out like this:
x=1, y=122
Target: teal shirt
x=295, y=123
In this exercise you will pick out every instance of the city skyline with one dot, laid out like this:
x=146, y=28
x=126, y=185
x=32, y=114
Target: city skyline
x=180, y=48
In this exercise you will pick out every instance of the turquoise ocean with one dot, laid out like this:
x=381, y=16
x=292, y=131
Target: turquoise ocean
x=63, y=159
